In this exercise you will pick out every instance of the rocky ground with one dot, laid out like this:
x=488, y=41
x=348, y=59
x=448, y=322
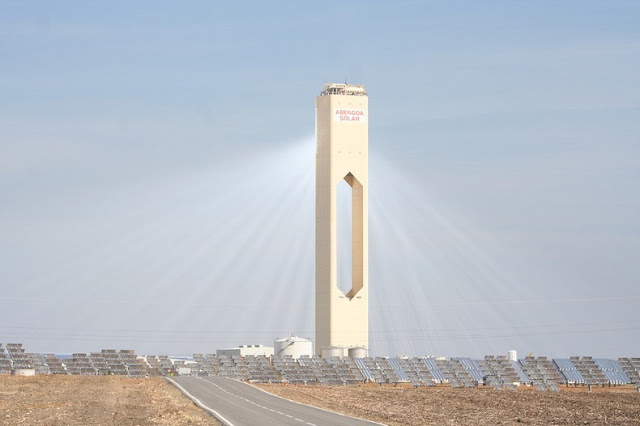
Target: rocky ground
x=445, y=406
x=95, y=400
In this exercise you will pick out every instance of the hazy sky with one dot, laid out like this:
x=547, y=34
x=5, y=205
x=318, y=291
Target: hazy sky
x=157, y=173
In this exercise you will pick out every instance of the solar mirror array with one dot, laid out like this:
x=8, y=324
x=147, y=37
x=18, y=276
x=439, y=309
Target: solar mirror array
x=495, y=371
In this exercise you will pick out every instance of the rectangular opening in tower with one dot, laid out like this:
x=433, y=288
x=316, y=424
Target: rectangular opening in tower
x=344, y=225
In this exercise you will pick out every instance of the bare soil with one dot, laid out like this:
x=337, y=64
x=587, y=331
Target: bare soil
x=112, y=400
x=95, y=400
x=481, y=406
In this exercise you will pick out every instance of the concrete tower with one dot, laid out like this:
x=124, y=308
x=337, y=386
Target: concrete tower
x=342, y=154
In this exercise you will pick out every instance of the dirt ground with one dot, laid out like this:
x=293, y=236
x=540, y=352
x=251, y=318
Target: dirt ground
x=446, y=406
x=112, y=400
x=95, y=400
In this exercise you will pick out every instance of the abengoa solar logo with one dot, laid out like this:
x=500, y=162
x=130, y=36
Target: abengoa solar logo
x=349, y=115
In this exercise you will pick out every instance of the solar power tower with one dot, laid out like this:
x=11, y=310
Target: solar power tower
x=342, y=154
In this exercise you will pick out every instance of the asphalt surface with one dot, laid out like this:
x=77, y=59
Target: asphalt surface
x=238, y=404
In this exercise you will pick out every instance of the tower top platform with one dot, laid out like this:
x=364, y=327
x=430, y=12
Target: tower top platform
x=343, y=89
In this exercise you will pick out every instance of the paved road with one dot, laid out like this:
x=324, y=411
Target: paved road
x=238, y=404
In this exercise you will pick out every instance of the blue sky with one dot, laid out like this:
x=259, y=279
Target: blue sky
x=156, y=173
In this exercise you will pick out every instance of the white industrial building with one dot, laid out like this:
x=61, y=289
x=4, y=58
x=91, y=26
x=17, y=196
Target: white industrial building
x=245, y=350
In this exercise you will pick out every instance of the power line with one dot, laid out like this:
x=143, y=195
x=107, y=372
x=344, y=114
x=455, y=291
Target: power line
x=238, y=336
x=371, y=305
x=288, y=331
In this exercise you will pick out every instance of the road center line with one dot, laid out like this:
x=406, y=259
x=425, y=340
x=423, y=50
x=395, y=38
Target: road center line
x=254, y=403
